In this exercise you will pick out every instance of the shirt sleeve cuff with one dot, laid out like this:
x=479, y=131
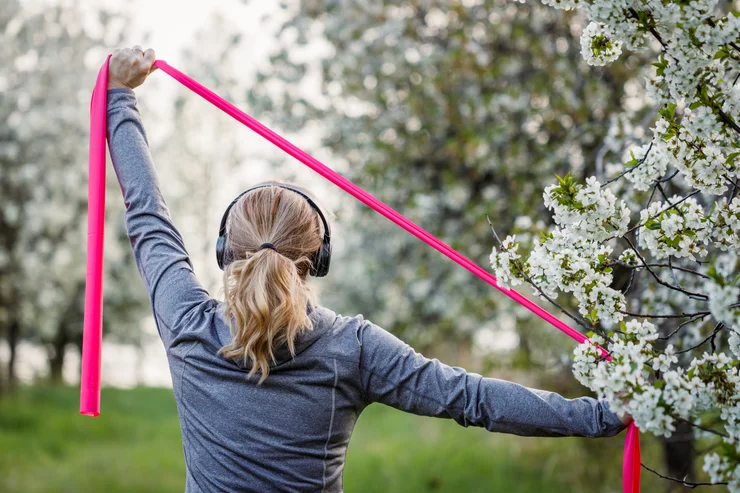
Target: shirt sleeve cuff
x=121, y=90
x=614, y=424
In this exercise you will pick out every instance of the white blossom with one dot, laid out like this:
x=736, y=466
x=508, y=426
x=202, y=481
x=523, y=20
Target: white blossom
x=572, y=263
x=681, y=231
x=501, y=263
x=721, y=300
x=599, y=44
x=590, y=210
x=650, y=163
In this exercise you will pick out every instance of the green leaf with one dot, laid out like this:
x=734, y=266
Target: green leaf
x=668, y=112
x=652, y=225
x=722, y=53
x=712, y=272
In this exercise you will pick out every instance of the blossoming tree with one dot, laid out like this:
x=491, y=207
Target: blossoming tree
x=668, y=213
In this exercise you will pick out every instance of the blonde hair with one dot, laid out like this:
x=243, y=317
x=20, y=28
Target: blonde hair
x=265, y=291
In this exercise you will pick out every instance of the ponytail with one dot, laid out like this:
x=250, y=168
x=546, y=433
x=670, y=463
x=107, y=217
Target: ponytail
x=265, y=291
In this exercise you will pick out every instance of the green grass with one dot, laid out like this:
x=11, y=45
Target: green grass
x=135, y=446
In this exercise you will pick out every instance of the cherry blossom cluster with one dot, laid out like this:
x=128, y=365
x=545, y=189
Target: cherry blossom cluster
x=699, y=155
x=681, y=230
x=502, y=263
x=668, y=214
x=725, y=220
x=694, y=71
x=587, y=210
x=646, y=166
x=572, y=258
x=568, y=263
x=574, y=264
x=650, y=385
x=723, y=302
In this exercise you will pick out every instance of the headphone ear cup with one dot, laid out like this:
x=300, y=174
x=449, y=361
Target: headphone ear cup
x=323, y=260
x=220, y=247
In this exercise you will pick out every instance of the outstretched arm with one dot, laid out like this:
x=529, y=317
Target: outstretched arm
x=160, y=253
x=396, y=375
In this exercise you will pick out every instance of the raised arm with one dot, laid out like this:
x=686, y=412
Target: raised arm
x=396, y=375
x=160, y=253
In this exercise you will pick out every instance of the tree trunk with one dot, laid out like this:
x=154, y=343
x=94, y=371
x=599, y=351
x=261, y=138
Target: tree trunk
x=3, y=380
x=679, y=452
x=13, y=336
x=56, y=359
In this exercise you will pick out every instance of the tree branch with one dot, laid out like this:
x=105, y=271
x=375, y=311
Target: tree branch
x=717, y=328
x=660, y=266
x=690, y=294
x=688, y=484
x=647, y=315
x=683, y=324
x=626, y=172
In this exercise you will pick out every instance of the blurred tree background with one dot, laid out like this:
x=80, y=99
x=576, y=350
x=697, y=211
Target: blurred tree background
x=43, y=186
x=449, y=112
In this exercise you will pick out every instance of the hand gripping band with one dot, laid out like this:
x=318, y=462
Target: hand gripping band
x=92, y=334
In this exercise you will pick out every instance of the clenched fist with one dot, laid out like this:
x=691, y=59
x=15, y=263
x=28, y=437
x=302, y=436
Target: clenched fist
x=129, y=67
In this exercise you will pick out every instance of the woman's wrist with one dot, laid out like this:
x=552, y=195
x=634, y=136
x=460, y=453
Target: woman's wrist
x=113, y=84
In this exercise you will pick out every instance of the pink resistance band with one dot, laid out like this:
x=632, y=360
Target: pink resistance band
x=92, y=334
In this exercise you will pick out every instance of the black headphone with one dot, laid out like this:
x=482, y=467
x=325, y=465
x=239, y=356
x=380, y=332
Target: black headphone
x=322, y=258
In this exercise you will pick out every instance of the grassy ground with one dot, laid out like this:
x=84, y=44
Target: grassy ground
x=134, y=446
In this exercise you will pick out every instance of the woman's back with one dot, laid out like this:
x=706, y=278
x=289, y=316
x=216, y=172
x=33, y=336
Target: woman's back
x=289, y=433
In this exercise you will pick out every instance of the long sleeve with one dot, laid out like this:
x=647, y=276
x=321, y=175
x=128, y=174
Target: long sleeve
x=160, y=253
x=394, y=374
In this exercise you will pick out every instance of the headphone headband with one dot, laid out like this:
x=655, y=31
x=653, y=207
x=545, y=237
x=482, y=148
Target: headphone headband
x=321, y=261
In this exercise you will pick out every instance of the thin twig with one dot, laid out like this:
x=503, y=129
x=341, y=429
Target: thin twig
x=666, y=209
x=667, y=178
x=647, y=315
x=629, y=284
x=717, y=328
x=703, y=428
x=682, y=269
x=688, y=484
x=683, y=324
x=626, y=172
x=690, y=294
x=659, y=266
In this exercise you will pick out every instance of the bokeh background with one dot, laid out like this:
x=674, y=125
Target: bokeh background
x=449, y=111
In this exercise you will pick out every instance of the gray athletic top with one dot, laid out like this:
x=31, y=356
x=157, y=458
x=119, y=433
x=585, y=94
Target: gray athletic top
x=291, y=433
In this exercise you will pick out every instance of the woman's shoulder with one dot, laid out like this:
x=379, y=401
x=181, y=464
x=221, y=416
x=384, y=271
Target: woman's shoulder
x=339, y=331
x=355, y=334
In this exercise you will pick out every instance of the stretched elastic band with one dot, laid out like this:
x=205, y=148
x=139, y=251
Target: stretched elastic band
x=267, y=245
x=92, y=334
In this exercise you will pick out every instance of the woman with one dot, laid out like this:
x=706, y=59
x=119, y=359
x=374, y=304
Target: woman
x=268, y=383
